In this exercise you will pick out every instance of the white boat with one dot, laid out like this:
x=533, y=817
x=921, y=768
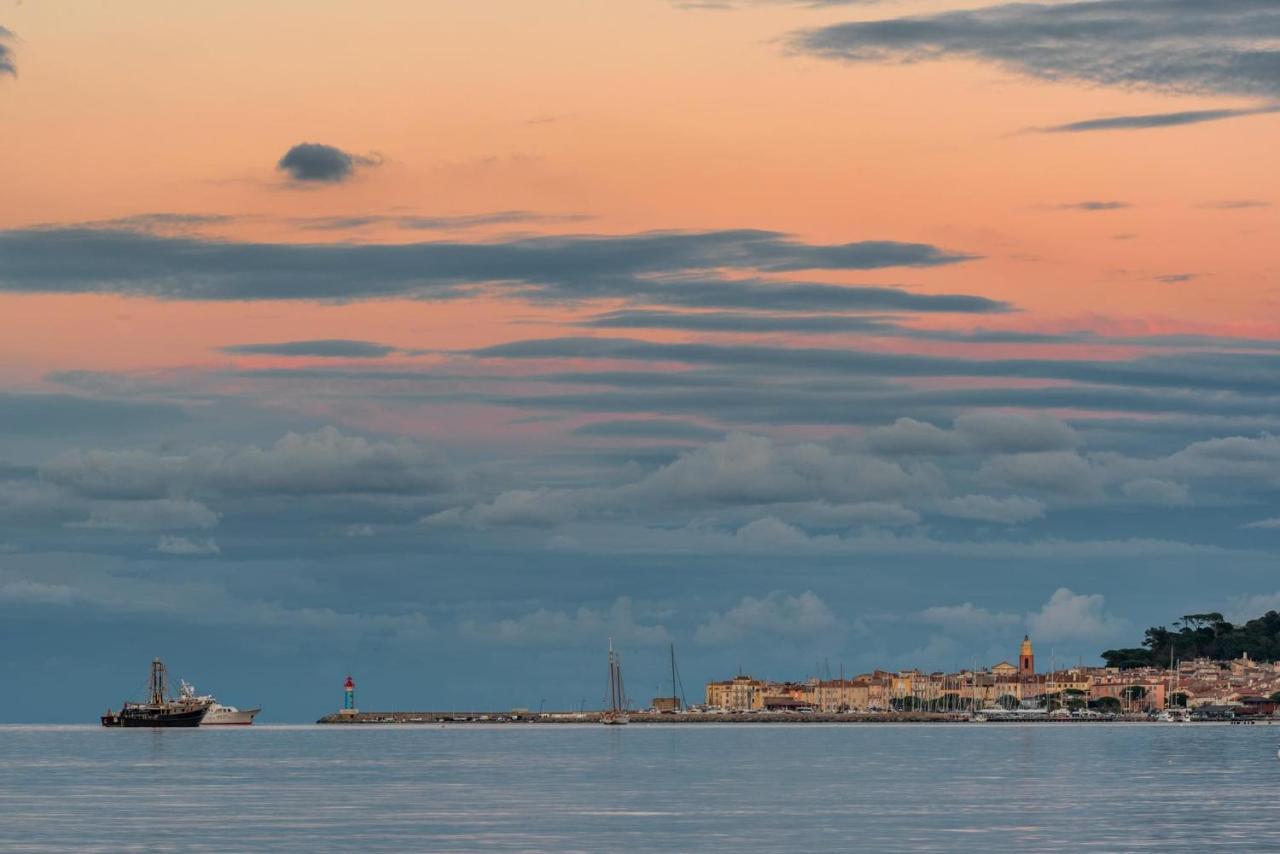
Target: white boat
x=218, y=714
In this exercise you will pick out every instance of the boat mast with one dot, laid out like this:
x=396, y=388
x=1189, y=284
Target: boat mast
x=159, y=688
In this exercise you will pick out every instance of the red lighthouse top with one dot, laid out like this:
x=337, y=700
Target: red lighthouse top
x=350, y=683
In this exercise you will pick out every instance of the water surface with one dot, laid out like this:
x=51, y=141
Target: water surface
x=742, y=787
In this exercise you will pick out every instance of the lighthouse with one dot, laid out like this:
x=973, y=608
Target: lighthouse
x=349, y=697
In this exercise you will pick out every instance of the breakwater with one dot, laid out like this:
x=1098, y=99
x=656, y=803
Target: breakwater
x=544, y=718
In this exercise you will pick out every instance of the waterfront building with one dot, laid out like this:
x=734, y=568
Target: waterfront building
x=1026, y=658
x=741, y=693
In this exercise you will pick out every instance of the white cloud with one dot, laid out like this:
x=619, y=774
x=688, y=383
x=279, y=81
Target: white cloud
x=36, y=592
x=1264, y=523
x=1009, y=433
x=1150, y=490
x=324, y=462
x=1074, y=616
x=966, y=617
x=987, y=508
x=746, y=469
x=1064, y=474
x=161, y=514
x=536, y=508
x=776, y=615
x=982, y=432
x=909, y=436
x=545, y=626
x=184, y=546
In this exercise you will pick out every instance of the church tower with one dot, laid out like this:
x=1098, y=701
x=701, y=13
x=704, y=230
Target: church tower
x=1026, y=658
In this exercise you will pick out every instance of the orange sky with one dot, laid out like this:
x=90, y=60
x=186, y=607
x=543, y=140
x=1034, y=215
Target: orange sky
x=647, y=117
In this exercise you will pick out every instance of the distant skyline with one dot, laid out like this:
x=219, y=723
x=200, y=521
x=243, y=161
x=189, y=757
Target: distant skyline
x=436, y=343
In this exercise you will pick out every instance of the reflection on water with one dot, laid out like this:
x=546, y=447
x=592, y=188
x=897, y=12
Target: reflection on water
x=879, y=787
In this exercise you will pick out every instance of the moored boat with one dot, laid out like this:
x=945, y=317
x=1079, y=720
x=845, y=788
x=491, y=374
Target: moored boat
x=159, y=710
x=218, y=714
x=616, y=713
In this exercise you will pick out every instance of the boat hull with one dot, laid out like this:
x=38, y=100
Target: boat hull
x=225, y=717
x=153, y=718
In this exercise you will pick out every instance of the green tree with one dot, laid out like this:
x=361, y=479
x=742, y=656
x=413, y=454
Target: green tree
x=1110, y=705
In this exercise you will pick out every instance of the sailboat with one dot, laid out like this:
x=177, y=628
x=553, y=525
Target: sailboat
x=616, y=713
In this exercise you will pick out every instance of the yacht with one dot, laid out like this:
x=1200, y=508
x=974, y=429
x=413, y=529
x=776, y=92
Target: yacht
x=218, y=714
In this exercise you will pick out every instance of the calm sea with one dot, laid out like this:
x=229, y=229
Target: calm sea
x=878, y=787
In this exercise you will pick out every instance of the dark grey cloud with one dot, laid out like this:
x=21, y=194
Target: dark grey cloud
x=68, y=415
x=682, y=268
x=1176, y=278
x=314, y=162
x=1156, y=120
x=6, y=54
x=887, y=326
x=1248, y=373
x=647, y=428
x=327, y=347
x=717, y=321
x=1234, y=204
x=1094, y=205
x=435, y=223
x=1225, y=46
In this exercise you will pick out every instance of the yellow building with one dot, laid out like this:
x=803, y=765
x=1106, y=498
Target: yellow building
x=741, y=693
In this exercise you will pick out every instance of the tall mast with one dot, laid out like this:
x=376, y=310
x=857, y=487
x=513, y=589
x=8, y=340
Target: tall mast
x=158, y=687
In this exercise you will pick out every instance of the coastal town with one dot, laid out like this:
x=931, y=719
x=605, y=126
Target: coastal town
x=1241, y=690
x=1210, y=688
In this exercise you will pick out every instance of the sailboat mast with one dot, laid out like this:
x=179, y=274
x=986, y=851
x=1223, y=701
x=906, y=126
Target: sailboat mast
x=613, y=679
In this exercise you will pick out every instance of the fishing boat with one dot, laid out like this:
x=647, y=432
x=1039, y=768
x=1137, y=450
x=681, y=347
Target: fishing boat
x=218, y=714
x=159, y=709
x=616, y=712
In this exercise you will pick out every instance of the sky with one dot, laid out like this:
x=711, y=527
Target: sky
x=438, y=343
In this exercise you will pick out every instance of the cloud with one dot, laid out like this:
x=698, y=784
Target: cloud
x=647, y=428
x=777, y=615
x=313, y=162
x=36, y=592
x=822, y=514
x=157, y=515
x=337, y=348
x=415, y=222
x=548, y=627
x=1150, y=490
x=966, y=618
x=1176, y=278
x=536, y=508
x=1264, y=523
x=183, y=546
x=46, y=415
x=677, y=268
x=1094, y=205
x=1073, y=616
x=1224, y=47
x=325, y=462
x=1062, y=474
x=986, y=508
x=976, y=432
x=747, y=469
x=1220, y=372
x=6, y=54
x=1234, y=205
x=1013, y=433
x=1156, y=120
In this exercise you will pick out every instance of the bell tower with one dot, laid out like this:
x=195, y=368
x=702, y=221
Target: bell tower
x=1026, y=658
